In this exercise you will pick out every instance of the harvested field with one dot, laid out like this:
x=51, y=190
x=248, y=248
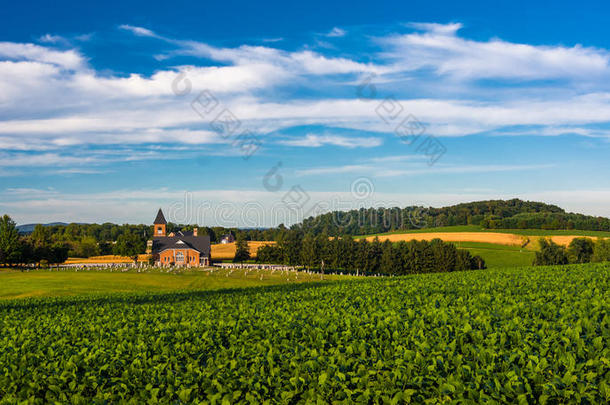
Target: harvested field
x=484, y=237
x=106, y=259
x=227, y=251
x=561, y=240
x=498, y=238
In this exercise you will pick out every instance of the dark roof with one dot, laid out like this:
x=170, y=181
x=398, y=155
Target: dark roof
x=182, y=240
x=160, y=220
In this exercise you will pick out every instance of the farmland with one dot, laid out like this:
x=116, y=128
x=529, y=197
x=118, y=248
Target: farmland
x=227, y=251
x=522, y=238
x=499, y=255
x=498, y=247
x=507, y=336
x=494, y=238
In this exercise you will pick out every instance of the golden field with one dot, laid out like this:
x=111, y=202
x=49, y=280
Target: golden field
x=227, y=251
x=564, y=240
x=106, y=259
x=509, y=239
x=496, y=238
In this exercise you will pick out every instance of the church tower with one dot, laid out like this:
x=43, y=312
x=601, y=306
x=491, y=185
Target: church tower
x=160, y=224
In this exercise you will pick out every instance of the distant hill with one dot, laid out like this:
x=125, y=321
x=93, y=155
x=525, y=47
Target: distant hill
x=26, y=229
x=491, y=214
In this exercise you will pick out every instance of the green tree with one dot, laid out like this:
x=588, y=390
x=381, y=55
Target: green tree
x=10, y=243
x=129, y=244
x=550, y=254
x=601, y=251
x=580, y=250
x=41, y=236
x=40, y=244
x=58, y=253
x=290, y=244
x=87, y=247
x=242, y=252
x=388, y=261
x=374, y=252
x=310, y=251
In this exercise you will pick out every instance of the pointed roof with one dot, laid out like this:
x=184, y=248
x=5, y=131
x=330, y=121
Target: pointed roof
x=160, y=220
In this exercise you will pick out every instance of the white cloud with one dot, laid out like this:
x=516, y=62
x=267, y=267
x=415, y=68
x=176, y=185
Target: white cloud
x=51, y=39
x=411, y=170
x=69, y=59
x=279, y=39
x=336, y=32
x=439, y=47
x=315, y=141
x=139, y=31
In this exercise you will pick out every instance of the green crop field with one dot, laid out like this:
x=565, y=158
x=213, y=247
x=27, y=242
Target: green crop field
x=40, y=283
x=528, y=335
x=499, y=255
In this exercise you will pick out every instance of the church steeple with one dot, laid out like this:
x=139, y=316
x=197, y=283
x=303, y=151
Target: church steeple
x=160, y=224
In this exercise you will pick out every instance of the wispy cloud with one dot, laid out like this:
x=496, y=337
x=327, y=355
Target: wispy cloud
x=336, y=32
x=51, y=39
x=440, y=47
x=316, y=141
x=380, y=171
x=279, y=39
x=139, y=31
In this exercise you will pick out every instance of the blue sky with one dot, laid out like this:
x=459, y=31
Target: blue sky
x=242, y=114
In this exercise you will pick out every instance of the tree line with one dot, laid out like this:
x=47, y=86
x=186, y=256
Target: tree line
x=548, y=220
x=35, y=248
x=86, y=240
x=363, y=257
x=580, y=250
x=43, y=246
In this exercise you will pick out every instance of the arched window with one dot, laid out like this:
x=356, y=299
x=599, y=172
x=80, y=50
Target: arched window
x=179, y=257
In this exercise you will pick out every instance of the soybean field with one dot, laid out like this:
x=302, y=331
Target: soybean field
x=521, y=335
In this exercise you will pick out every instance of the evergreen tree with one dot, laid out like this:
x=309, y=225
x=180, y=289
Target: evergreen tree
x=310, y=251
x=444, y=255
x=361, y=255
x=388, y=262
x=375, y=252
x=242, y=252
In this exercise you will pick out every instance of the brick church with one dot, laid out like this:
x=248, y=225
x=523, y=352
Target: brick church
x=179, y=248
